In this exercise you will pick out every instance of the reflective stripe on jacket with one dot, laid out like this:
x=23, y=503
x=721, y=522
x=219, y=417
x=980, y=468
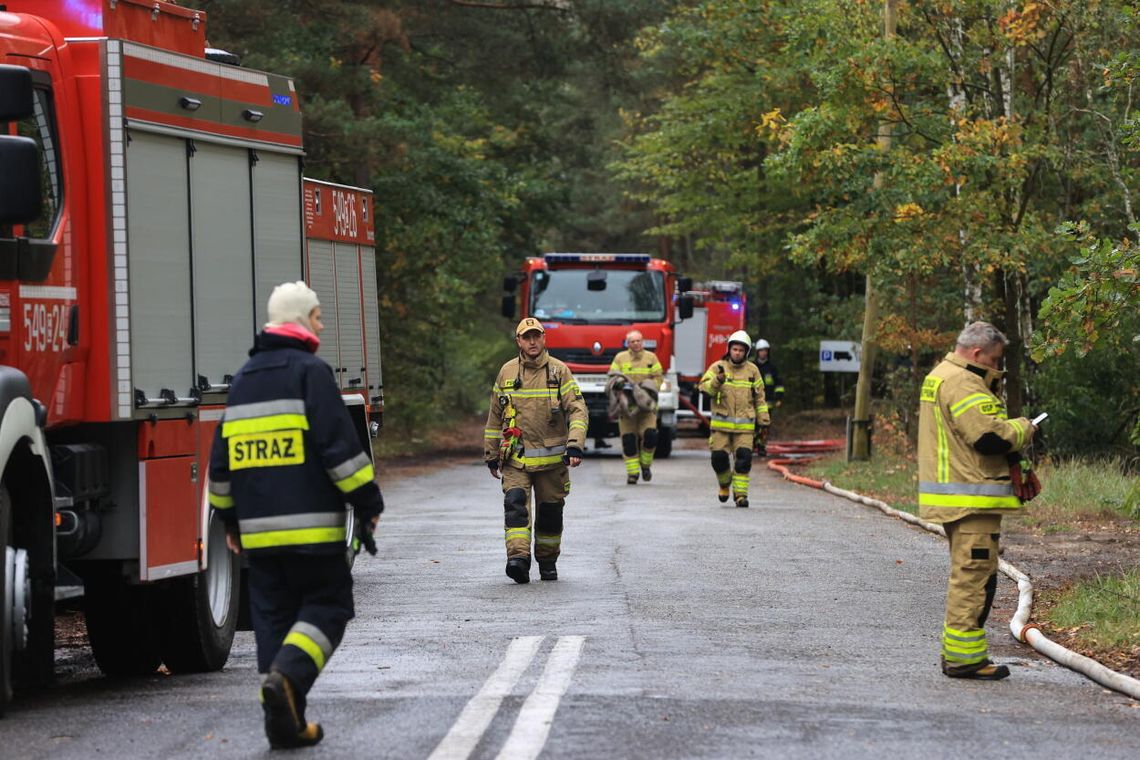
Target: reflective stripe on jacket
x=286, y=457
x=551, y=412
x=639, y=366
x=960, y=413
x=738, y=403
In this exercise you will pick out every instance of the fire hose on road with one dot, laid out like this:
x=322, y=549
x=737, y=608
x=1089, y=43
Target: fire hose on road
x=787, y=454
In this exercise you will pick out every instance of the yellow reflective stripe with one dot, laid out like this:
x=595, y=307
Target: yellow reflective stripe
x=943, y=447
x=265, y=424
x=740, y=383
x=537, y=461
x=492, y=433
x=632, y=465
x=221, y=502
x=968, y=501
x=577, y=425
x=516, y=533
x=1020, y=433
x=974, y=399
x=364, y=475
x=306, y=645
x=294, y=537
x=734, y=426
x=548, y=540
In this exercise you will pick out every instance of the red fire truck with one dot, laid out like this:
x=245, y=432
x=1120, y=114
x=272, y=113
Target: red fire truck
x=150, y=198
x=720, y=308
x=588, y=302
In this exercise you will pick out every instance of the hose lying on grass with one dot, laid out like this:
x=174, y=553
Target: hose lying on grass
x=790, y=453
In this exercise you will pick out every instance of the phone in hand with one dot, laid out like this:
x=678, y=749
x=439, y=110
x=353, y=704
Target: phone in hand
x=1039, y=419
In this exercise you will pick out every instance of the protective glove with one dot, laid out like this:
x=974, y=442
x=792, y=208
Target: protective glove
x=493, y=466
x=760, y=440
x=363, y=537
x=1025, y=484
x=572, y=451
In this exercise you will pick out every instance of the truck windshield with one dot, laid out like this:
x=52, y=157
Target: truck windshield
x=562, y=295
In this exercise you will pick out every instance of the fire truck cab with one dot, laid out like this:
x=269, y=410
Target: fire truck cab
x=588, y=302
x=150, y=199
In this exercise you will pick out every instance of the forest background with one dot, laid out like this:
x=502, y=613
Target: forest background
x=740, y=139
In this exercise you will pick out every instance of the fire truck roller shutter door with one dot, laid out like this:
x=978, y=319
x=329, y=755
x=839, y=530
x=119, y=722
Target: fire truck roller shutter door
x=221, y=239
x=322, y=279
x=349, y=316
x=277, y=250
x=159, y=351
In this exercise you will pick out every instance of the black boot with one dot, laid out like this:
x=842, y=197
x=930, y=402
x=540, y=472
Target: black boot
x=547, y=570
x=519, y=569
x=285, y=724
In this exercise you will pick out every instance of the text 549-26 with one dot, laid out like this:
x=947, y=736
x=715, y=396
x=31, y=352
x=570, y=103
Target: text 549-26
x=45, y=326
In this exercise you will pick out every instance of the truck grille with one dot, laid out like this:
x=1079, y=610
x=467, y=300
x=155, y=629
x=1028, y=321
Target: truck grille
x=585, y=356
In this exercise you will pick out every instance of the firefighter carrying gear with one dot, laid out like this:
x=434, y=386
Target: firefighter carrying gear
x=635, y=379
x=738, y=406
x=285, y=460
x=551, y=419
x=964, y=484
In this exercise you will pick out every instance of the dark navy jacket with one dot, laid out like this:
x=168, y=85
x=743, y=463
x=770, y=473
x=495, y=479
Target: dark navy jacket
x=286, y=458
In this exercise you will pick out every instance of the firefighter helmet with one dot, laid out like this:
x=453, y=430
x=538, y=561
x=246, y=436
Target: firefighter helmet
x=762, y=344
x=740, y=337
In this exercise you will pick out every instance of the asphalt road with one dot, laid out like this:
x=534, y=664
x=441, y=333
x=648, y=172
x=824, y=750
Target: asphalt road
x=803, y=627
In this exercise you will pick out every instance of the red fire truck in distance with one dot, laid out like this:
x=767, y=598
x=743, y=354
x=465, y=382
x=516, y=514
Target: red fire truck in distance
x=720, y=308
x=588, y=302
x=150, y=198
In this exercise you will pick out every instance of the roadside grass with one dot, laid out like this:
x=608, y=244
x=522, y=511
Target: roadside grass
x=1103, y=613
x=1075, y=491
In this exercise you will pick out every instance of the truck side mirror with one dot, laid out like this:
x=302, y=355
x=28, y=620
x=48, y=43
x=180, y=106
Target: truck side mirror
x=17, y=101
x=685, y=307
x=684, y=284
x=596, y=280
x=508, y=307
x=21, y=199
x=509, y=284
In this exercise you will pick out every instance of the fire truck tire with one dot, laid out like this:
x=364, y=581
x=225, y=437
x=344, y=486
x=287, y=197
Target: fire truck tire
x=7, y=643
x=202, y=610
x=665, y=438
x=121, y=622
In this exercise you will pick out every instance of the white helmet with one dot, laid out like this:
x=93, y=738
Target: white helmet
x=740, y=337
x=762, y=344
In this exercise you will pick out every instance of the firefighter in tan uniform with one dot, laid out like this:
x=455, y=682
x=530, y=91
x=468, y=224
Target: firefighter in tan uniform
x=638, y=428
x=536, y=426
x=965, y=443
x=738, y=406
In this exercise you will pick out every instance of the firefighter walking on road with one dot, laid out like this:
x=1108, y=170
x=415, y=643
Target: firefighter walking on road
x=773, y=389
x=637, y=422
x=285, y=460
x=739, y=411
x=536, y=426
x=965, y=447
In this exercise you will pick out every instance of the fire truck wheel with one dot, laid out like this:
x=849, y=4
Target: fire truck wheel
x=201, y=610
x=7, y=645
x=121, y=622
x=665, y=438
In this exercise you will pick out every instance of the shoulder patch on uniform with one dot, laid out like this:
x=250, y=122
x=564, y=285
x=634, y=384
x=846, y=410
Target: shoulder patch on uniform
x=930, y=388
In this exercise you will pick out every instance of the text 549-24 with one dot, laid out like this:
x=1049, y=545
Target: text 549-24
x=45, y=326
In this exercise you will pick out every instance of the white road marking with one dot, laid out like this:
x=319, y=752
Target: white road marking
x=532, y=727
x=480, y=710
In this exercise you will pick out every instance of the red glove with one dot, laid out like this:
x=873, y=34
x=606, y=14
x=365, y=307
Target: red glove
x=1026, y=486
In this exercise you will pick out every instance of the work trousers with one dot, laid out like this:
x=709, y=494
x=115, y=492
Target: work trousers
x=550, y=489
x=970, y=591
x=732, y=459
x=637, y=442
x=300, y=605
